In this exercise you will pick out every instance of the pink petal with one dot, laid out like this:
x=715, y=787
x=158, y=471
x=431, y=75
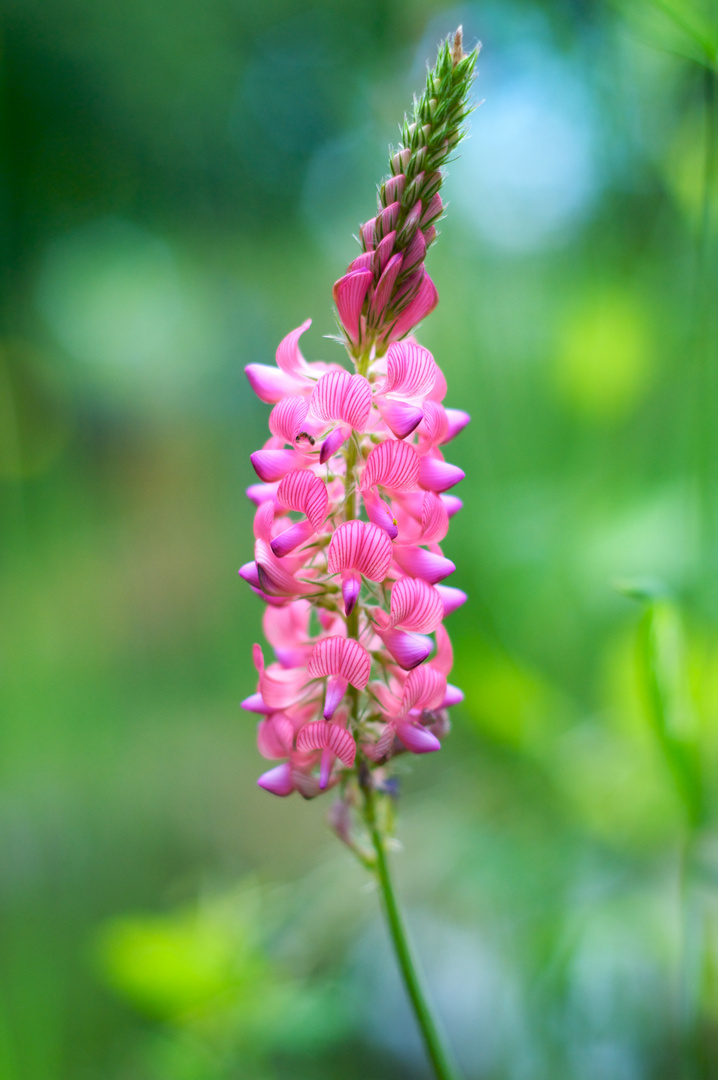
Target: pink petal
x=452, y=503
x=451, y=598
x=424, y=688
x=453, y=696
x=367, y=234
x=340, y=656
x=380, y=514
x=399, y=416
x=341, y=396
x=323, y=735
x=351, y=588
x=457, y=421
x=444, y=659
x=275, y=578
x=423, y=303
x=437, y=475
x=409, y=650
x=410, y=370
x=394, y=188
x=281, y=687
x=278, y=780
x=269, y=383
x=332, y=443
x=260, y=493
x=289, y=355
x=383, y=252
x=256, y=703
x=349, y=294
x=385, y=286
x=291, y=538
x=249, y=573
x=275, y=736
x=286, y=419
x=415, y=252
x=357, y=545
x=417, y=738
x=435, y=426
x=264, y=521
x=434, y=519
x=416, y=605
x=394, y=465
x=432, y=212
x=336, y=689
x=418, y=562
x=271, y=465
x=306, y=493
x=362, y=262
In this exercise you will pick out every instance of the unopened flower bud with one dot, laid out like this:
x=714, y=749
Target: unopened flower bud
x=393, y=189
x=406, y=232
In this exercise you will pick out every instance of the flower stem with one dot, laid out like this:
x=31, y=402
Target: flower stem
x=438, y=1052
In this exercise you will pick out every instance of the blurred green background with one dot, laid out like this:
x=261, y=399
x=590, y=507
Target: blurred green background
x=179, y=185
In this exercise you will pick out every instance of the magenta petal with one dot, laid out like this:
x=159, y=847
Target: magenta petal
x=458, y=419
x=322, y=735
x=332, y=443
x=418, y=562
x=340, y=656
x=417, y=738
x=307, y=493
x=351, y=587
x=437, y=475
x=291, y=538
x=452, y=503
x=415, y=605
x=392, y=464
x=271, y=465
x=325, y=768
x=380, y=514
x=409, y=650
x=261, y=493
x=270, y=384
x=278, y=780
x=250, y=574
x=451, y=598
x=453, y=696
x=336, y=689
x=256, y=703
x=400, y=417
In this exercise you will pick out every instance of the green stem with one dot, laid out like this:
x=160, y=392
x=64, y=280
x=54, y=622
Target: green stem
x=438, y=1053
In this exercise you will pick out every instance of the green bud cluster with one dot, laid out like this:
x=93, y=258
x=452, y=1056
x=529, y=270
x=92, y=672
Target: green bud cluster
x=435, y=128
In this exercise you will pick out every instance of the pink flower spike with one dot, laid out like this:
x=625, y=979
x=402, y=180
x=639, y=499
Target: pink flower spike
x=410, y=370
x=271, y=465
x=451, y=598
x=349, y=295
x=351, y=588
x=416, y=738
x=332, y=443
x=409, y=650
x=437, y=475
x=400, y=417
x=452, y=503
x=291, y=538
x=270, y=384
x=357, y=545
x=339, y=396
x=416, y=605
x=393, y=465
x=306, y=493
x=380, y=514
x=457, y=421
x=420, y=563
x=278, y=780
x=422, y=305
